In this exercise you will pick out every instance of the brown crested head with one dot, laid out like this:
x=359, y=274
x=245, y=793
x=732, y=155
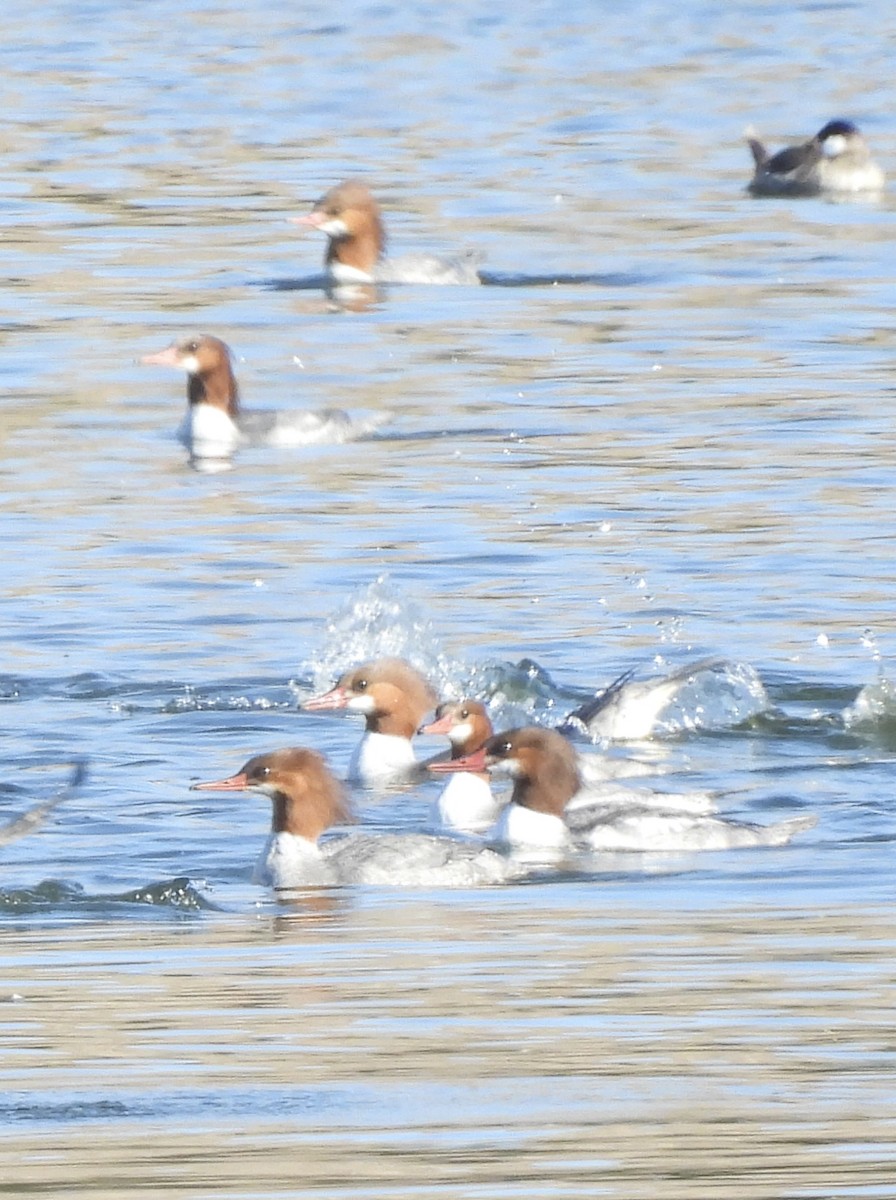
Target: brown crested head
x=306, y=796
x=392, y=694
x=350, y=217
x=351, y=202
x=207, y=362
x=465, y=723
x=542, y=764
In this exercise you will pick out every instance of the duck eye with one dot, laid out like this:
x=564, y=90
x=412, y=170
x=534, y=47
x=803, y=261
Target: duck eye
x=506, y=747
x=193, y=346
x=464, y=712
x=265, y=772
x=361, y=685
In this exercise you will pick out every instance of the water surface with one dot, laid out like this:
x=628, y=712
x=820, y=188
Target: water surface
x=661, y=431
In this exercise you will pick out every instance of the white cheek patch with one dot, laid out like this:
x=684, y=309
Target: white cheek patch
x=460, y=733
x=362, y=704
x=834, y=145
x=334, y=228
x=190, y=364
x=505, y=766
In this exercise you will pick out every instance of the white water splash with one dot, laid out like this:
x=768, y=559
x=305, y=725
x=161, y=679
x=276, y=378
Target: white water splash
x=379, y=623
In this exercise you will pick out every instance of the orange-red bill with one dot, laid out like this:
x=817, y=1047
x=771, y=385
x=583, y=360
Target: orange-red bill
x=163, y=358
x=236, y=783
x=337, y=697
x=442, y=725
x=471, y=762
x=314, y=219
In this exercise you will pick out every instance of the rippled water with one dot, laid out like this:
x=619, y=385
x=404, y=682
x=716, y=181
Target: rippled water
x=683, y=447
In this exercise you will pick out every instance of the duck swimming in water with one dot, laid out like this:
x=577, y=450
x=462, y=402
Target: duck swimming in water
x=351, y=219
x=307, y=800
x=836, y=159
x=394, y=698
x=215, y=424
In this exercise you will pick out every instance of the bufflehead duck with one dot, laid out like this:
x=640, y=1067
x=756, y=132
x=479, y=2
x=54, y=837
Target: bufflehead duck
x=837, y=159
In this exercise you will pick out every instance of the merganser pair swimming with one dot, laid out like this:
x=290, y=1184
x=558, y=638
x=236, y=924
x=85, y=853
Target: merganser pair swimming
x=836, y=159
x=353, y=224
x=215, y=425
x=394, y=697
x=550, y=810
x=468, y=804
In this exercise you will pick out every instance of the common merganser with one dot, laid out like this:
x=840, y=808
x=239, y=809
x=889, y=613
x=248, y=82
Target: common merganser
x=394, y=698
x=546, y=778
x=837, y=159
x=215, y=425
x=466, y=803
x=628, y=709
x=308, y=800
x=351, y=219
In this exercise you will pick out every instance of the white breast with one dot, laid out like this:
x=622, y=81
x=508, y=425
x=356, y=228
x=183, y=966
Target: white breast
x=467, y=804
x=382, y=759
x=207, y=432
x=342, y=273
x=291, y=861
x=523, y=827
x=846, y=175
